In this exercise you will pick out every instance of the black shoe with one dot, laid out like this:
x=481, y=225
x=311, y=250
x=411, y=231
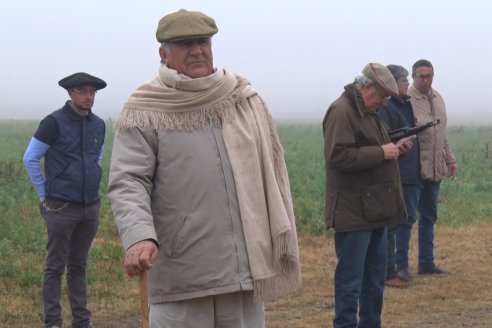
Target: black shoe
x=433, y=270
x=404, y=275
x=90, y=325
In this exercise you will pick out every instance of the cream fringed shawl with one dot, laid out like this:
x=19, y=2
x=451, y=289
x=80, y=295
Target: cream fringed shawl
x=175, y=102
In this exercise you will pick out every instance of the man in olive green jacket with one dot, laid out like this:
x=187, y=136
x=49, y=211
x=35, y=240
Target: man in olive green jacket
x=363, y=194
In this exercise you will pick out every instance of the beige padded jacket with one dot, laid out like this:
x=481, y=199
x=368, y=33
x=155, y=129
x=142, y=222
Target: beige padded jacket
x=435, y=151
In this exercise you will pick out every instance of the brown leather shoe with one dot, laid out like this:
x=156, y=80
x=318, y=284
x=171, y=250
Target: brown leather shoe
x=396, y=283
x=404, y=275
x=433, y=270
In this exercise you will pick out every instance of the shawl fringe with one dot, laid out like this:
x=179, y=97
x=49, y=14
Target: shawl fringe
x=149, y=109
x=279, y=164
x=148, y=117
x=287, y=278
x=159, y=120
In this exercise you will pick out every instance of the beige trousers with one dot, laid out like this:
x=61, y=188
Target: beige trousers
x=234, y=310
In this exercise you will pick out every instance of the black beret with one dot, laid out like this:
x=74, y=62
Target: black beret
x=78, y=79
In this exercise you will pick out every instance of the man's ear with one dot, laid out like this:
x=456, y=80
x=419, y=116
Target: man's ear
x=365, y=88
x=163, y=54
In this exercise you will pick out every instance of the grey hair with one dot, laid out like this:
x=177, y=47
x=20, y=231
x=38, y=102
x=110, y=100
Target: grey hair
x=361, y=79
x=398, y=71
x=165, y=46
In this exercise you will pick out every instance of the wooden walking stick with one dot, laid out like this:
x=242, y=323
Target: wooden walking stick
x=144, y=299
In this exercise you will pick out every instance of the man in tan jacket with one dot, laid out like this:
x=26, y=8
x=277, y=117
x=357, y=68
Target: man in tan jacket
x=199, y=188
x=436, y=160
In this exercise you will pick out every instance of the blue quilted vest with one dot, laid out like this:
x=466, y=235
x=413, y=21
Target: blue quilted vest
x=71, y=163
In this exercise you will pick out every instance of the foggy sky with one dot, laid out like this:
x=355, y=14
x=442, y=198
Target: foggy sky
x=297, y=54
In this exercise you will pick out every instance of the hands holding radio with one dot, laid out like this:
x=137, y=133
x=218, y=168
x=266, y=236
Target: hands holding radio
x=391, y=151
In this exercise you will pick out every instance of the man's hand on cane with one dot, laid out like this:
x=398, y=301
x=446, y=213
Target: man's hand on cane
x=140, y=257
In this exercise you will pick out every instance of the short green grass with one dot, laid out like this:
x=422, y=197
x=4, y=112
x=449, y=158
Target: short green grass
x=22, y=232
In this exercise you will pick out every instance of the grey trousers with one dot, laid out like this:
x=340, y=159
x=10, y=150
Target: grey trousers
x=71, y=229
x=234, y=310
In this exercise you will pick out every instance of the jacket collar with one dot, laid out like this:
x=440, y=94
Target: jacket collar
x=412, y=90
x=72, y=113
x=355, y=98
x=400, y=100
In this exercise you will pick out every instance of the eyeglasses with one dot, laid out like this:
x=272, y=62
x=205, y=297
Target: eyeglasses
x=85, y=92
x=425, y=77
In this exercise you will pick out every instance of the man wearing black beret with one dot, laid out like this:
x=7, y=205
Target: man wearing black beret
x=71, y=141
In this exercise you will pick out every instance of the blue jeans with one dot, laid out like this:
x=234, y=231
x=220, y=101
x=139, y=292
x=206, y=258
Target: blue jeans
x=429, y=198
x=359, y=277
x=424, y=201
x=391, y=268
x=71, y=229
x=403, y=232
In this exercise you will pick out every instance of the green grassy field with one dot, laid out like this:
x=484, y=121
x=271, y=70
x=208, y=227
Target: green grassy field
x=22, y=232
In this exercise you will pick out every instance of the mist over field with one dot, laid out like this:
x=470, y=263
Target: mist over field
x=297, y=54
x=468, y=117
x=463, y=236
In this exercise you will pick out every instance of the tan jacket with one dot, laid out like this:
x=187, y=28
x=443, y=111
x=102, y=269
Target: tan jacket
x=198, y=166
x=177, y=187
x=435, y=151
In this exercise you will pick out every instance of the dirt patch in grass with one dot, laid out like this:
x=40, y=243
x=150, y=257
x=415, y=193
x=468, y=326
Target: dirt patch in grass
x=463, y=299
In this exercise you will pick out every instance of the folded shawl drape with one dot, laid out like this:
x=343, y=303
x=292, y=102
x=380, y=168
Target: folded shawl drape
x=173, y=101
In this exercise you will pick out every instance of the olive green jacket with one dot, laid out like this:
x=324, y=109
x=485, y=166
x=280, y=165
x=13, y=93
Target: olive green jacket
x=363, y=190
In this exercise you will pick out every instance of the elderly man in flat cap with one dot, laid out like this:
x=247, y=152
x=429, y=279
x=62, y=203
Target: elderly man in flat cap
x=363, y=194
x=199, y=188
x=71, y=141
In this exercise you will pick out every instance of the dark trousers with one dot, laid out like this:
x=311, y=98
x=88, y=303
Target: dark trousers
x=399, y=236
x=359, y=278
x=427, y=220
x=421, y=200
x=391, y=270
x=71, y=229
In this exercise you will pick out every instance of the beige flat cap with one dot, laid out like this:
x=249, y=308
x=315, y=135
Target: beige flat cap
x=382, y=76
x=184, y=24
